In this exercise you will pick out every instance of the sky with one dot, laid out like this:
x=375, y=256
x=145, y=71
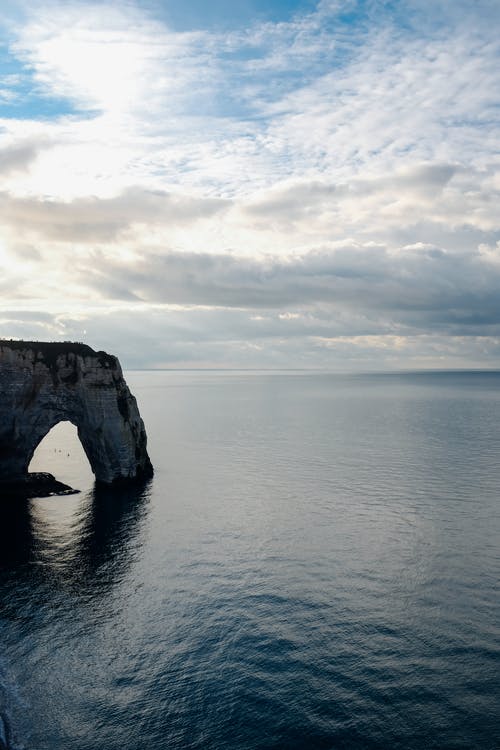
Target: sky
x=253, y=183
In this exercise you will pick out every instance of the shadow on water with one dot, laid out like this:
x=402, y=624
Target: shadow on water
x=17, y=540
x=95, y=548
x=108, y=528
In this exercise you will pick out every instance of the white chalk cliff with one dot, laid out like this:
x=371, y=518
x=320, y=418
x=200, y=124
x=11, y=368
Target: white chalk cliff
x=42, y=384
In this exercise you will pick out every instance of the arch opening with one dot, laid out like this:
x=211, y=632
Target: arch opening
x=61, y=454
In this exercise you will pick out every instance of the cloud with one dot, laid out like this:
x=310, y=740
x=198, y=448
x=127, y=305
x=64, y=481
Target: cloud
x=316, y=96
x=416, y=288
x=95, y=219
x=105, y=57
x=321, y=187
x=419, y=185
x=18, y=156
x=195, y=337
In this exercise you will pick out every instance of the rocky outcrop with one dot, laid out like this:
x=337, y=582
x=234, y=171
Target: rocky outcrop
x=42, y=384
x=34, y=484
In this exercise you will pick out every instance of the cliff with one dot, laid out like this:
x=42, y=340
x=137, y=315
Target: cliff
x=44, y=383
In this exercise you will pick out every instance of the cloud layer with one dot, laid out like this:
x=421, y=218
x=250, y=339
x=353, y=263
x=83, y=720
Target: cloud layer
x=320, y=191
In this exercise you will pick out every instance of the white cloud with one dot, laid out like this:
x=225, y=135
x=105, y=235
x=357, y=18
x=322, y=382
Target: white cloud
x=341, y=180
x=108, y=57
x=94, y=219
x=18, y=156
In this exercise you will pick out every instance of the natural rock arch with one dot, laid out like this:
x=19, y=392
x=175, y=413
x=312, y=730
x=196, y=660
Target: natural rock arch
x=42, y=384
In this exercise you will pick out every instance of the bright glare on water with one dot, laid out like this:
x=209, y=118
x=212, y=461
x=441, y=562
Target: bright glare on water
x=314, y=566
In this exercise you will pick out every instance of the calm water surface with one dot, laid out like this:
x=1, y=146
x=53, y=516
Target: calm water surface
x=314, y=565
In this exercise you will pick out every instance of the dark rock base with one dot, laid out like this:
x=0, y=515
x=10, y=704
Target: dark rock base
x=39, y=484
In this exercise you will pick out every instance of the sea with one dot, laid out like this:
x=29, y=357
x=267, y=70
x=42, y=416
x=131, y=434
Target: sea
x=314, y=566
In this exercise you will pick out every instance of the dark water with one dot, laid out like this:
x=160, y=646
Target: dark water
x=314, y=565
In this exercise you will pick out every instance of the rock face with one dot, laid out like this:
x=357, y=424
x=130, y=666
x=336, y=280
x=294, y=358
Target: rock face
x=42, y=384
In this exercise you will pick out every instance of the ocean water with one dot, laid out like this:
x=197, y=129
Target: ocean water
x=315, y=564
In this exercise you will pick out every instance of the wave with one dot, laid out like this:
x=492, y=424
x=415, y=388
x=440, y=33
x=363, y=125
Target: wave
x=8, y=699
